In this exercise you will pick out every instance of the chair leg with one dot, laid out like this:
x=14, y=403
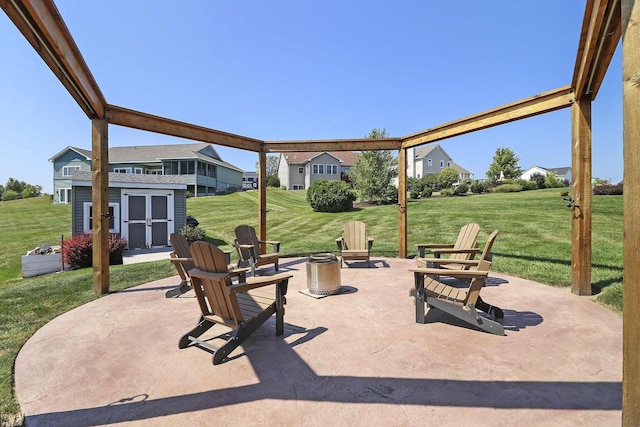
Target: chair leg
x=201, y=327
x=182, y=288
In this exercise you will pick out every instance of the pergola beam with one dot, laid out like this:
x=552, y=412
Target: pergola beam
x=599, y=37
x=538, y=104
x=40, y=23
x=333, y=145
x=143, y=121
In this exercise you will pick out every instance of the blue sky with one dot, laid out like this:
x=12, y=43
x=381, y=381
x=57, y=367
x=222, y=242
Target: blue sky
x=309, y=70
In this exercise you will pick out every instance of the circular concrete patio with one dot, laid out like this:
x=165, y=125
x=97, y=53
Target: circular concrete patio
x=356, y=358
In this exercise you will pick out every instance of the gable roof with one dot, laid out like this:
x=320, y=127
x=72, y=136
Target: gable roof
x=421, y=153
x=347, y=158
x=85, y=153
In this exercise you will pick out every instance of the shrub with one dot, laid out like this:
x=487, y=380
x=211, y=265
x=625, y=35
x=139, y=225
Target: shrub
x=461, y=189
x=529, y=185
x=538, y=180
x=414, y=194
x=193, y=233
x=506, y=188
x=427, y=192
x=390, y=194
x=447, y=192
x=330, y=196
x=608, y=190
x=77, y=251
x=273, y=181
x=478, y=187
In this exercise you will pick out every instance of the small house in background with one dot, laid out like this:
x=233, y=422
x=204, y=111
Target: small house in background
x=563, y=174
x=143, y=209
x=197, y=165
x=249, y=180
x=430, y=160
x=298, y=170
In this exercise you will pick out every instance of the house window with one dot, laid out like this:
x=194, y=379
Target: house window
x=69, y=170
x=138, y=171
x=122, y=170
x=448, y=164
x=187, y=167
x=429, y=162
x=300, y=170
x=171, y=168
x=298, y=187
x=332, y=169
x=64, y=195
x=318, y=169
x=441, y=163
x=114, y=217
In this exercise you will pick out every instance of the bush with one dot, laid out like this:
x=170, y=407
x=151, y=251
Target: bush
x=77, y=251
x=330, y=196
x=273, y=181
x=447, y=192
x=506, y=188
x=538, y=180
x=426, y=192
x=390, y=194
x=193, y=233
x=461, y=189
x=414, y=194
x=529, y=185
x=608, y=190
x=478, y=187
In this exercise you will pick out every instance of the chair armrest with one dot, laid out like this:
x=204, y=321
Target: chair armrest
x=370, y=242
x=434, y=245
x=456, y=251
x=260, y=281
x=196, y=272
x=469, y=274
x=440, y=261
x=180, y=260
x=275, y=244
x=339, y=242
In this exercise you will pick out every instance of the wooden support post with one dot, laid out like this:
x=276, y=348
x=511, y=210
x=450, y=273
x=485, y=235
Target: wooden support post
x=100, y=204
x=631, y=244
x=402, y=203
x=581, y=195
x=262, y=195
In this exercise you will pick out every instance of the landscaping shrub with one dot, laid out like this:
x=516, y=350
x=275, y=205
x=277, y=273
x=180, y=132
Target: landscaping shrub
x=390, y=194
x=331, y=196
x=506, y=188
x=447, y=192
x=414, y=194
x=461, y=189
x=538, y=180
x=193, y=233
x=478, y=187
x=608, y=190
x=273, y=181
x=529, y=185
x=426, y=192
x=77, y=251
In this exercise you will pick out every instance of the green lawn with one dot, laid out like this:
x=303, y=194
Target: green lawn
x=534, y=243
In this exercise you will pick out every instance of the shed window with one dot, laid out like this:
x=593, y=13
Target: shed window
x=114, y=217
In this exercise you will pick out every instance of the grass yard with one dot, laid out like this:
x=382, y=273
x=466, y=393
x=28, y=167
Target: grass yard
x=534, y=243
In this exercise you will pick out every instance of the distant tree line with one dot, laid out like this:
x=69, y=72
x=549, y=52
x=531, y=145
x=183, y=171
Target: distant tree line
x=15, y=189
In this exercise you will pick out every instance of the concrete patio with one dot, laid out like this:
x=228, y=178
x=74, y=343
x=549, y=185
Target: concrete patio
x=356, y=358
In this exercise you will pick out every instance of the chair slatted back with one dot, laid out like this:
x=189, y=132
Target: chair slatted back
x=246, y=235
x=355, y=236
x=180, y=246
x=476, y=284
x=212, y=295
x=466, y=240
x=486, y=252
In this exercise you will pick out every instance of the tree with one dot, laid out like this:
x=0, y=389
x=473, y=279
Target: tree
x=504, y=166
x=272, y=165
x=373, y=171
x=447, y=177
x=273, y=181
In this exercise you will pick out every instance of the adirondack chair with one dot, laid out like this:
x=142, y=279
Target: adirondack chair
x=354, y=244
x=181, y=259
x=458, y=302
x=242, y=306
x=464, y=248
x=460, y=264
x=249, y=249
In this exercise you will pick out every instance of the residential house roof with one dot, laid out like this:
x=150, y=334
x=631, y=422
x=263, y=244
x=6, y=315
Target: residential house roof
x=81, y=151
x=84, y=178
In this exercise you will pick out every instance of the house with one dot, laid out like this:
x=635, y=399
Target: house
x=563, y=173
x=198, y=165
x=298, y=170
x=431, y=160
x=249, y=180
x=143, y=208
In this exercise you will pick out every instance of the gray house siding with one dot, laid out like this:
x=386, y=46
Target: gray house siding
x=82, y=195
x=62, y=182
x=229, y=180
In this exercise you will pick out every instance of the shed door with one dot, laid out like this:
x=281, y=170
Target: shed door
x=147, y=217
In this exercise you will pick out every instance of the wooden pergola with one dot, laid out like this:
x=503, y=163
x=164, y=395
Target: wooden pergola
x=605, y=23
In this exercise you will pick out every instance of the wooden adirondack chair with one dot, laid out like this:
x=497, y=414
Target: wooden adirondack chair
x=459, y=302
x=460, y=264
x=464, y=248
x=354, y=244
x=181, y=259
x=249, y=249
x=241, y=306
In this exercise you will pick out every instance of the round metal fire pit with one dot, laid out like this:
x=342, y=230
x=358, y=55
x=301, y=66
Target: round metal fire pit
x=323, y=274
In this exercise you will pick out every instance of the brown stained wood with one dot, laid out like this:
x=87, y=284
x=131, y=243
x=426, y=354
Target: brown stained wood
x=262, y=199
x=535, y=105
x=100, y=203
x=402, y=203
x=143, y=121
x=599, y=37
x=581, y=195
x=362, y=144
x=631, y=244
x=40, y=23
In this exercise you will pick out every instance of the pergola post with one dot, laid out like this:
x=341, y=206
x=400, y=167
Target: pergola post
x=402, y=203
x=100, y=204
x=631, y=242
x=262, y=195
x=581, y=195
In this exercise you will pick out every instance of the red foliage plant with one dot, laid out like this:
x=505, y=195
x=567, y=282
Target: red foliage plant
x=77, y=251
